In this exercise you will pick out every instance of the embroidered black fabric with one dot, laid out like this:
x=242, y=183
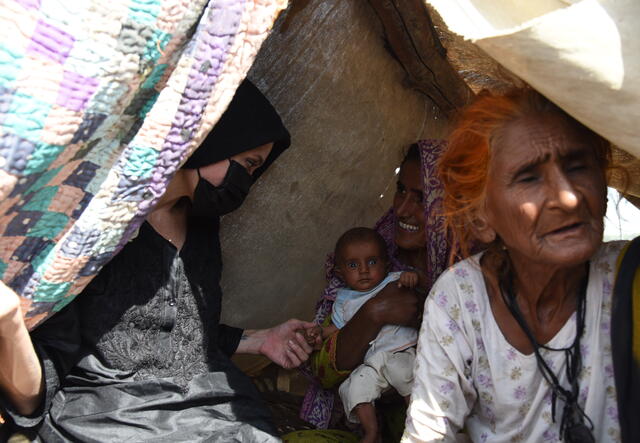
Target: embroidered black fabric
x=141, y=354
x=147, y=317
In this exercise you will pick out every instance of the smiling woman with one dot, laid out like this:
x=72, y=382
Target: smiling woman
x=416, y=241
x=515, y=343
x=407, y=203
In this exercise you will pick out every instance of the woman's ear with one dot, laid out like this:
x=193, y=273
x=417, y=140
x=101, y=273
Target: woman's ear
x=480, y=227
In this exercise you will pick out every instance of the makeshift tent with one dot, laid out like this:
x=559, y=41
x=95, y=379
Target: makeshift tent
x=102, y=102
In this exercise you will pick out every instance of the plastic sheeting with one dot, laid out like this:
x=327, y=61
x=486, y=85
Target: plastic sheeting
x=583, y=55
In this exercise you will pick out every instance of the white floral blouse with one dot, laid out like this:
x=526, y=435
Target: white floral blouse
x=467, y=375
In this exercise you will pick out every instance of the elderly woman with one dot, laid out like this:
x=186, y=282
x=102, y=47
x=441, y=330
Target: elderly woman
x=415, y=241
x=140, y=355
x=515, y=342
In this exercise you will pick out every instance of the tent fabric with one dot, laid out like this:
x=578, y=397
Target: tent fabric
x=584, y=55
x=100, y=104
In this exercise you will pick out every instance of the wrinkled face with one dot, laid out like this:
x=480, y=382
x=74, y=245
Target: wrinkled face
x=546, y=193
x=409, y=209
x=362, y=265
x=251, y=160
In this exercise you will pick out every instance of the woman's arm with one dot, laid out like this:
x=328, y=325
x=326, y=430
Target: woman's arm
x=392, y=306
x=20, y=370
x=34, y=364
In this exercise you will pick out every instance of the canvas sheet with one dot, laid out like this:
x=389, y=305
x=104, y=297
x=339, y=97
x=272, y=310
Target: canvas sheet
x=100, y=103
x=582, y=54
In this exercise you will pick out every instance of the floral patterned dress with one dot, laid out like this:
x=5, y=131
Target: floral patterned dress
x=468, y=376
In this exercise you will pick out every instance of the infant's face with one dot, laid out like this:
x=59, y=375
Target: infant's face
x=362, y=266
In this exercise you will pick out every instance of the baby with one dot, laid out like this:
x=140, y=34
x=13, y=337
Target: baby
x=362, y=262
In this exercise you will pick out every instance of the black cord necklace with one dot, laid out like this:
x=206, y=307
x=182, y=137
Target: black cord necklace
x=575, y=425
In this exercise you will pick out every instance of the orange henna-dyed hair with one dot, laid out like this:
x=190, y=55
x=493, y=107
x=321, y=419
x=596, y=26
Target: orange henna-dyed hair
x=464, y=166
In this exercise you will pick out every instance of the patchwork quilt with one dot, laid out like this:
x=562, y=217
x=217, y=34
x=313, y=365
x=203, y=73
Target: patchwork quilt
x=100, y=103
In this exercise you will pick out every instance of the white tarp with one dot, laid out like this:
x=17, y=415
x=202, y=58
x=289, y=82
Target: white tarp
x=582, y=54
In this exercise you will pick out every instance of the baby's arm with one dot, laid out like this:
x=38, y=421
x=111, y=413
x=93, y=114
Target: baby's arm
x=327, y=331
x=317, y=334
x=408, y=279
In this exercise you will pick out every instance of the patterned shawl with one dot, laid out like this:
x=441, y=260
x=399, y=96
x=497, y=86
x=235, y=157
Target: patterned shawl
x=318, y=402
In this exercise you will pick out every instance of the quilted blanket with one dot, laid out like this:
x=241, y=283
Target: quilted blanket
x=100, y=103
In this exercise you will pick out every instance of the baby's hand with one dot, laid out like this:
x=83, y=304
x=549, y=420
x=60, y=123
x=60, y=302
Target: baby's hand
x=408, y=279
x=313, y=336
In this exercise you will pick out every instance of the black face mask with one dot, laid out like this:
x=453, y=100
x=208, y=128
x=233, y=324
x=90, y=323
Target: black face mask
x=213, y=201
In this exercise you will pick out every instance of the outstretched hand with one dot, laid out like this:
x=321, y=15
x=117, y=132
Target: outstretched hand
x=286, y=345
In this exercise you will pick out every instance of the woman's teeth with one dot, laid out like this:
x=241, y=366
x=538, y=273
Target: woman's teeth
x=407, y=227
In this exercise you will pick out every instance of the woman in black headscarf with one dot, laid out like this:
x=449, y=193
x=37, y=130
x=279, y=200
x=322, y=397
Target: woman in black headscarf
x=140, y=355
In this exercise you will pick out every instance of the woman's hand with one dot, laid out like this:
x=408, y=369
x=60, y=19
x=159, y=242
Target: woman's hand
x=20, y=371
x=284, y=344
x=392, y=306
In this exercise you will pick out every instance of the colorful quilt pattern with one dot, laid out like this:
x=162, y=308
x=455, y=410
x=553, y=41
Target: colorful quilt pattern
x=100, y=103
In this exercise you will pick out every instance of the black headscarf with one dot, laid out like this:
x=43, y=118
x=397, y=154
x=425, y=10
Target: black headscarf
x=249, y=121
